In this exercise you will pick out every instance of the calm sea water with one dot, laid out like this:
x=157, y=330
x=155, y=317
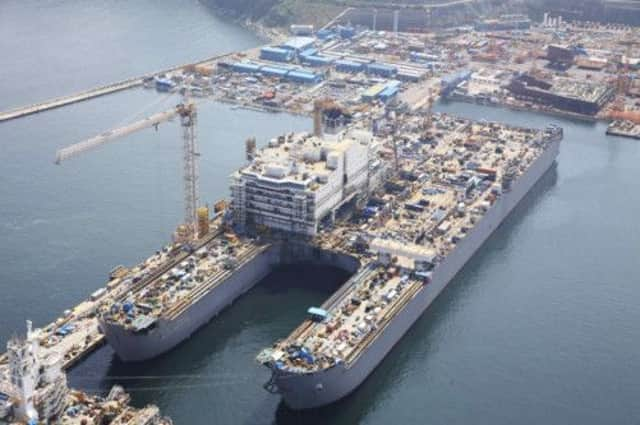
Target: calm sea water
x=540, y=327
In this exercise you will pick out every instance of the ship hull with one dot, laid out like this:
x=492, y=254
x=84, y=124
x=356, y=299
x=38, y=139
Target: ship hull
x=133, y=346
x=311, y=390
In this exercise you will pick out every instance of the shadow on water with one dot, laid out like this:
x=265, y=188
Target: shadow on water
x=356, y=406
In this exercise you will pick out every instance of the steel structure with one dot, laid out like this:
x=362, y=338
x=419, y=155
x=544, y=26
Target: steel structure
x=187, y=113
x=188, y=119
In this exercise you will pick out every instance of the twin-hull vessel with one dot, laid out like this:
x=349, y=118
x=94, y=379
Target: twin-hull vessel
x=329, y=356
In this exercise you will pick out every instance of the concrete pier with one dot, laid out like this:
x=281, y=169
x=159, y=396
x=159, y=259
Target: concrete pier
x=68, y=100
x=58, y=102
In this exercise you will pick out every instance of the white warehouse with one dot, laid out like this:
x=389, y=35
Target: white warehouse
x=297, y=180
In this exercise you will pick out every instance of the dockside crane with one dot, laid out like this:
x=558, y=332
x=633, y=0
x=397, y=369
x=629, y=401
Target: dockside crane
x=186, y=112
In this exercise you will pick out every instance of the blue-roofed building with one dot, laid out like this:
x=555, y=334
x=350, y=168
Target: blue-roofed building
x=272, y=71
x=381, y=70
x=309, y=52
x=316, y=60
x=372, y=92
x=304, y=77
x=390, y=91
x=451, y=81
x=349, y=66
x=245, y=67
x=276, y=54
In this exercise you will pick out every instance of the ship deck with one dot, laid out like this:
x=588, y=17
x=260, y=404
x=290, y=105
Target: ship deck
x=445, y=185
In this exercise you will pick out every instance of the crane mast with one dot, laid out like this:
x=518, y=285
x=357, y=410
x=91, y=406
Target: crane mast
x=187, y=113
x=188, y=120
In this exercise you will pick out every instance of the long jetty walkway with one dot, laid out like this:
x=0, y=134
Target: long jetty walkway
x=93, y=93
x=67, y=100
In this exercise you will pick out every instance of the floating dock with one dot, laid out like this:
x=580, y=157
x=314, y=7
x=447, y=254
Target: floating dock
x=420, y=193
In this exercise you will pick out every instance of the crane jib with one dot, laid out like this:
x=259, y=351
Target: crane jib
x=188, y=118
x=96, y=141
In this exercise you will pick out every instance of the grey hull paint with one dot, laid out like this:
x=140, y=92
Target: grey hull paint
x=304, y=391
x=135, y=346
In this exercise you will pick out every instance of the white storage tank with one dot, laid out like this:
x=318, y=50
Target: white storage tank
x=276, y=170
x=312, y=154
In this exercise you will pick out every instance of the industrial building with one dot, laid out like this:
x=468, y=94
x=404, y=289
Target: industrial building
x=300, y=179
x=582, y=97
x=313, y=59
x=298, y=44
x=391, y=89
x=372, y=92
x=382, y=91
x=287, y=72
x=450, y=82
x=381, y=70
x=349, y=66
x=560, y=54
x=277, y=54
x=411, y=75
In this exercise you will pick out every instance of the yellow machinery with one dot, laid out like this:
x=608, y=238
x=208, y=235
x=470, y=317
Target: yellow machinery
x=203, y=221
